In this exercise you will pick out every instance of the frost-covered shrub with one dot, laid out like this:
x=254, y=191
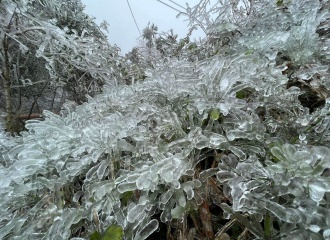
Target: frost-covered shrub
x=242, y=135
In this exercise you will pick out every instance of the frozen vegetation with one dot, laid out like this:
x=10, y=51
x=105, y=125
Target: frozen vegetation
x=222, y=138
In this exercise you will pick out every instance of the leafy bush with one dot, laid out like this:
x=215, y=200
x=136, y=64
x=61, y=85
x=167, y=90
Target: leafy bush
x=236, y=142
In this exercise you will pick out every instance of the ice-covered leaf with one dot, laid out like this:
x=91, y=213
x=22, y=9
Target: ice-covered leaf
x=166, y=196
x=102, y=168
x=224, y=176
x=146, y=181
x=326, y=234
x=278, y=153
x=238, y=152
x=126, y=187
x=178, y=212
x=230, y=160
x=181, y=199
x=216, y=140
x=317, y=190
x=148, y=229
x=203, y=176
x=135, y=212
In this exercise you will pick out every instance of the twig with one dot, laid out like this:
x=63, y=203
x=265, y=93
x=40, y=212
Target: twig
x=205, y=215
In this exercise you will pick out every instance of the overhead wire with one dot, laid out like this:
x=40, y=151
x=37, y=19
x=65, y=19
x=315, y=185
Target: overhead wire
x=177, y=4
x=169, y=6
x=200, y=23
x=133, y=17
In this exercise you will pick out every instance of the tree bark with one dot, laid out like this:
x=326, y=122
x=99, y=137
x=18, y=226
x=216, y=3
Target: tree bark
x=7, y=86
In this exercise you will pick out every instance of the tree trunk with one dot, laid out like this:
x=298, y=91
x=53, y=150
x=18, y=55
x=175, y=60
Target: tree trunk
x=7, y=86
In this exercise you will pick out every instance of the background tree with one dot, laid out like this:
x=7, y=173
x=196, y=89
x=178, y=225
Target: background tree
x=51, y=51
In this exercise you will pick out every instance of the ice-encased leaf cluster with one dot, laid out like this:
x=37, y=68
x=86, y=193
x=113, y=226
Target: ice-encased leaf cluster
x=134, y=152
x=297, y=178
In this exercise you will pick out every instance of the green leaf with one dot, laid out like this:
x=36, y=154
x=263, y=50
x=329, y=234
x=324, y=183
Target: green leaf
x=113, y=232
x=126, y=197
x=192, y=47
x=95, y=236
x=279, y=3
x=215, y=114
x=241, y=94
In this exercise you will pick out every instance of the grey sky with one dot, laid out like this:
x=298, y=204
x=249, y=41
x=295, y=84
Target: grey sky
x=122, y=29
